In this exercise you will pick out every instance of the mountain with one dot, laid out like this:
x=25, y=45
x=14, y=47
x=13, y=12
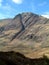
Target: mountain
x=27, y=33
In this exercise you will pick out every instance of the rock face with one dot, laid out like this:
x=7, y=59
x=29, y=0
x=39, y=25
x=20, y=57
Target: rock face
x=25, y=33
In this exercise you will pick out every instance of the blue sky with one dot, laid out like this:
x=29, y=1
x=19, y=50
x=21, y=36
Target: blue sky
x=10, y=8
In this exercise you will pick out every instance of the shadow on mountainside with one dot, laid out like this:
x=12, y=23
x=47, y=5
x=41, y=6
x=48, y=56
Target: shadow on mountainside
x=23, y=28
x=16, y=58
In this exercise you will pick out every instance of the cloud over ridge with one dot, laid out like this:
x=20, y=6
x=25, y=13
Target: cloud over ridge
x=18, y=1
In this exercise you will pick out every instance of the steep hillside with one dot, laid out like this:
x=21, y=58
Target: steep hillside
x=27, y=33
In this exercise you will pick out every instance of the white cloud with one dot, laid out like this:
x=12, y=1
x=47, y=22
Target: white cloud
x=42, y=4
x=18, y=1
x=46, y=14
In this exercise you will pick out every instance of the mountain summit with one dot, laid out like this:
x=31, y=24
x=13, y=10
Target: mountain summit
x=27, y=33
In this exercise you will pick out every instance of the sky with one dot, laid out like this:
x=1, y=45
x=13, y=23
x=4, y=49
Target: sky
x=10, y=8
